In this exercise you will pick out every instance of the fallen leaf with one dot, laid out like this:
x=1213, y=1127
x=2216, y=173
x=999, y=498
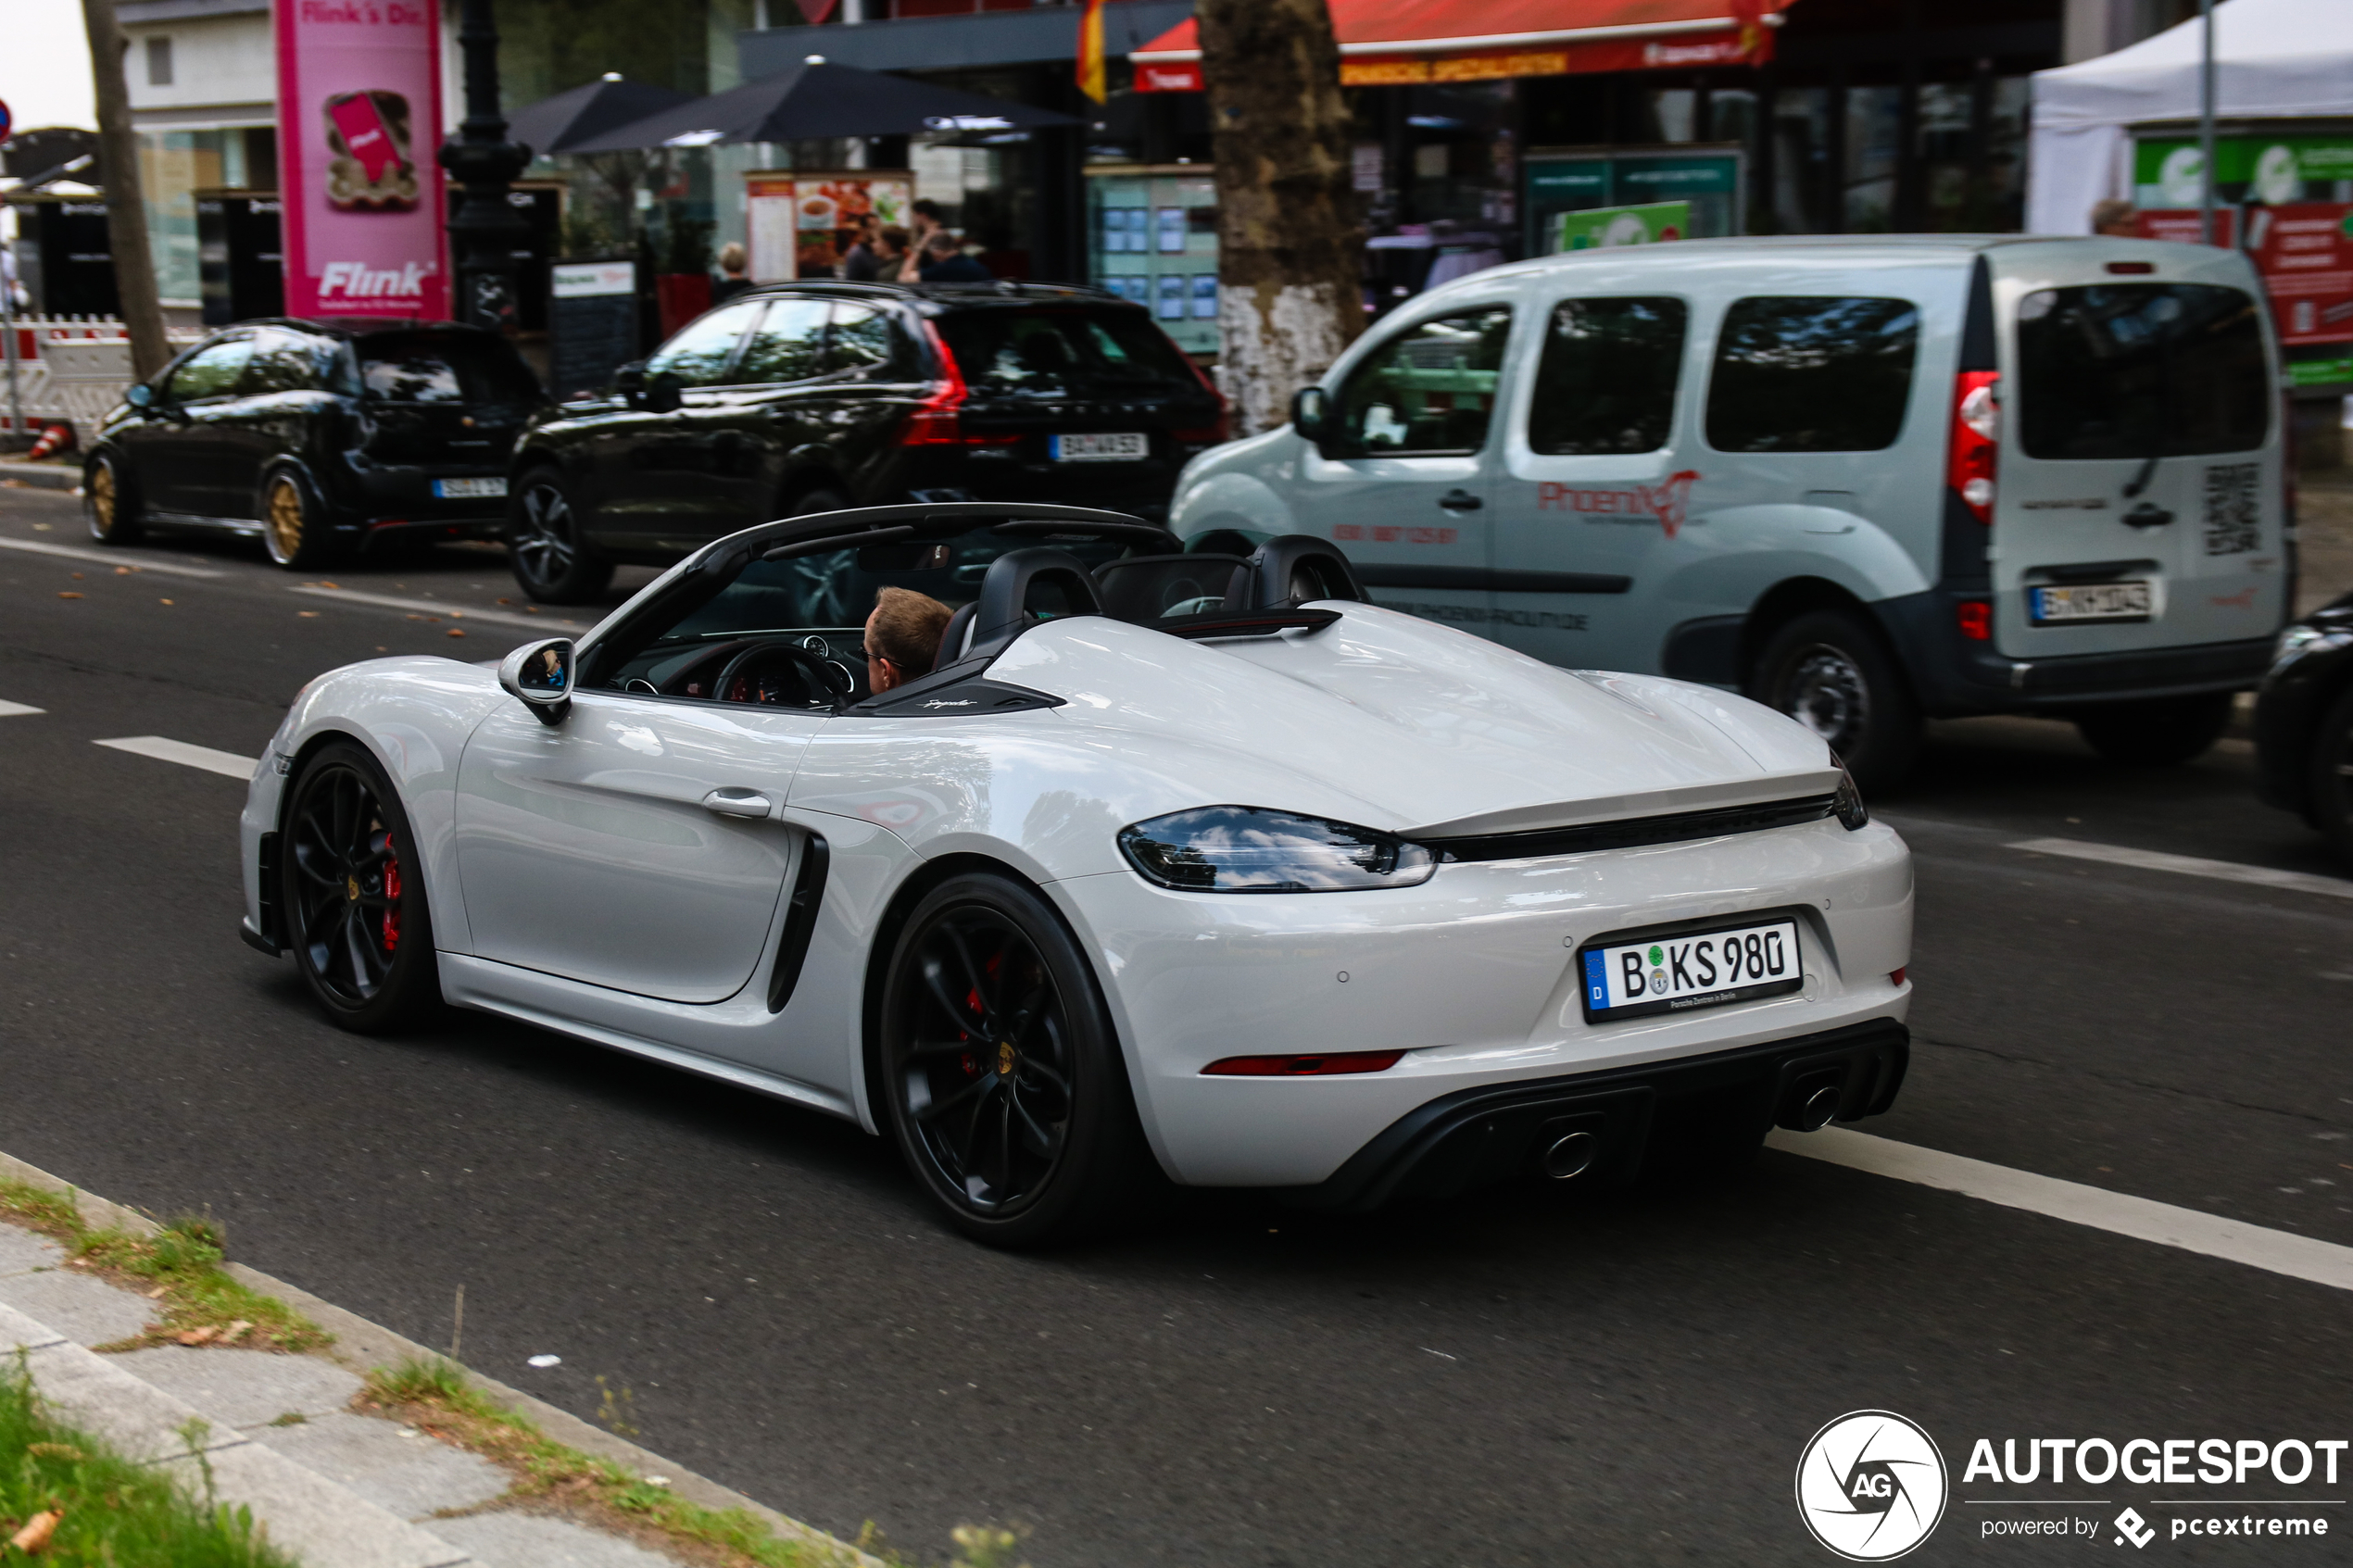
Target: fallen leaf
x=156, y=1294
x=456, y=632
x=68, y=595
x=235, y=1331
x=77, y=577
x=35, y=1535
x=324, y=584
x=197, y=1335
x=506, y=601
x=163, y=601
x=530, y=609
x=124, y=571
x=308, y=614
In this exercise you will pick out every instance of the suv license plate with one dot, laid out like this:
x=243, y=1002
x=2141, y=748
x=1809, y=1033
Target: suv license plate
x=1124, y=448
x=1698, y=969
x=2088, y=601
x=467, y=489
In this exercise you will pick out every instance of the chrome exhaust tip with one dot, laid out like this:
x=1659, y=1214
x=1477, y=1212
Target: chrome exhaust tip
x=1817, y=1110
x=1571, y=1155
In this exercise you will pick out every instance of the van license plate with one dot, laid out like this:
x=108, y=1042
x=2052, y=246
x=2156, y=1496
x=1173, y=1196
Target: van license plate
x=2088, y=601
x=1700, y=969
x=468, y=489
x=1123, y=447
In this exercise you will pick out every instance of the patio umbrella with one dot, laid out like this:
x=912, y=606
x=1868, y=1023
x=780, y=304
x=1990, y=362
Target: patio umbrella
x=557, y=124
x=813, y=99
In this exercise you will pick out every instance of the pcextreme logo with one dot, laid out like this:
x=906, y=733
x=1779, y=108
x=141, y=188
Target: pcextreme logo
x=1871, y=1485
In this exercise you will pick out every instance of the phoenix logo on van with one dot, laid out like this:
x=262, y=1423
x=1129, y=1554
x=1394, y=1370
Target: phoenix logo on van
x=1665, y=502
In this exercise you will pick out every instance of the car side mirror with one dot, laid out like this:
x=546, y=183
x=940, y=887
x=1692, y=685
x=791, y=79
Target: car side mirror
x=1309, y=408
x=630, y=380
x=665, y=394
x=539, y=675
x=139, y=395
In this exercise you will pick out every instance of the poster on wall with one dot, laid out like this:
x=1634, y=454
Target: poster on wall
x=358, y=121
x=802, y=225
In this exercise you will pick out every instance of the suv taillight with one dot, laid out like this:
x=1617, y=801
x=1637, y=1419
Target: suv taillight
x=1202, y=436
x=938, y=420
x=1977, y=441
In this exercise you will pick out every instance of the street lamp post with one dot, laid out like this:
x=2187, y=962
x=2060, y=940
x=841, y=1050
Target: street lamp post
x=485, y=230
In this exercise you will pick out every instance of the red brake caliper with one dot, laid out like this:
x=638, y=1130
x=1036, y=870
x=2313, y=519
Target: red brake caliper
x=392, y=894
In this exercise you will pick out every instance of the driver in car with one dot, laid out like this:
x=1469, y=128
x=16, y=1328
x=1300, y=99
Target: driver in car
x=902, y=637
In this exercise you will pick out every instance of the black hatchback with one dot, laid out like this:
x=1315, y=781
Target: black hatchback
x=318, y=436
x=815, y=397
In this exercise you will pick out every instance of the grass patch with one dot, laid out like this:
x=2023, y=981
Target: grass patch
x=88, y=1505
x=179, y=1267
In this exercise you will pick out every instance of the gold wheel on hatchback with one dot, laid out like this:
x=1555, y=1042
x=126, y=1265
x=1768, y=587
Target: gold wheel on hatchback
x=102, y=497
x=285, y=519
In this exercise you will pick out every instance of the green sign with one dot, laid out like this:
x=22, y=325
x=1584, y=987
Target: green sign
x=2275, y=170
x=1704, y=180
x=2334, y=370
x=1646, y=224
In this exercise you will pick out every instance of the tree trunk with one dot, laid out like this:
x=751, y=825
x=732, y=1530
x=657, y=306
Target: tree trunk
x=134, y=268
x=1289, y=248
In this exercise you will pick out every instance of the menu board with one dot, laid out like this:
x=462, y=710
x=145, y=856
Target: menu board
x=802, y=224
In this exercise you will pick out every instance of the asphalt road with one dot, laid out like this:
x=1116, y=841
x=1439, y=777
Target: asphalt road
x=1521, y=1379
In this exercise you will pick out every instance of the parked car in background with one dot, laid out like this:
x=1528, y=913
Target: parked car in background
x=318, y=436
x=812, y=398
x=2304, y=723
x=1866, y=480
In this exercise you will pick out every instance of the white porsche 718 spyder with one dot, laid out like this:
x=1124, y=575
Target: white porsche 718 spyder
x=1192, y=860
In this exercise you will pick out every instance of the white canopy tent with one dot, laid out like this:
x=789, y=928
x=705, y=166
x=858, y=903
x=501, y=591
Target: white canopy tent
x=2273, y=59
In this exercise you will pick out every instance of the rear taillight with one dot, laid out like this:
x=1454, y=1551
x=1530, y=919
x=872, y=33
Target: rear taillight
x=1975, y=617
x=1202, y=436
x=938, y=420
x=1977, y=441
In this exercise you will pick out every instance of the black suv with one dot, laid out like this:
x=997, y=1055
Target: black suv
x=320, y=436
x=814, y=397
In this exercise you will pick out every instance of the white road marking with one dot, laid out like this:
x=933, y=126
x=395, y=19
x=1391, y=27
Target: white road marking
x=443, y=608
x=12, y=709
x=2258, y=1247
x=111, y=557
x=227, y=763
x=2189, y=865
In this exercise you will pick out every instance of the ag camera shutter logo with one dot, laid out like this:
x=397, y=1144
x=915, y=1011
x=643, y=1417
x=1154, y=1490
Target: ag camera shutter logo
x=1871, y=1485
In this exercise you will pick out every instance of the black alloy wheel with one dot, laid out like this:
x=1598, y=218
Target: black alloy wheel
x=2332, y=777
x=1000, y=1068
x=552, y=562
x=353, y=895
x=109, y=501
x=1831, y=673
x=2158, y=732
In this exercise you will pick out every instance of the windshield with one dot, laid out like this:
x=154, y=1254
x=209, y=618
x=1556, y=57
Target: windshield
x=444, y=368
x=1063, y=352
x=2141, y=370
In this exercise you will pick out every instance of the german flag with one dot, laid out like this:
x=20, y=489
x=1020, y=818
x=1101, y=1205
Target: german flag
x=1090, y=50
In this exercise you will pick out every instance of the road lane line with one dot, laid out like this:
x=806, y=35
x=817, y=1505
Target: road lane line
x=2189, y=865
x=226, y=763
x=13, y=710
x=2258, y=1247
x=111, y=557
x=441, y=607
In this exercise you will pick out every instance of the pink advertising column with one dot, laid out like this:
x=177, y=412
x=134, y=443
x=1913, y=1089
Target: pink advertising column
x=359, y=119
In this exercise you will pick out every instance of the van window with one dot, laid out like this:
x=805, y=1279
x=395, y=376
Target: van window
x=1812, y=373
x=1606, y=381
x=1428, y=392
x=2141, y=369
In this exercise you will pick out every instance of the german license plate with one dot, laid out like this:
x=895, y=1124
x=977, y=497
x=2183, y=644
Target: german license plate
x=468, y=489
x=1123, y=447
x=2088, y=601
x=1700, y=969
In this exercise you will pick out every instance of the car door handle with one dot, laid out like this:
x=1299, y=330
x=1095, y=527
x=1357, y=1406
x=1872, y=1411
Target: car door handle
x=1460, y=500
x=734, y=802
x=2148, y=514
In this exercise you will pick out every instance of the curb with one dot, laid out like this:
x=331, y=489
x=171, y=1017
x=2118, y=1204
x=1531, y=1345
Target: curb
x=41, y=476
x=361, y=1346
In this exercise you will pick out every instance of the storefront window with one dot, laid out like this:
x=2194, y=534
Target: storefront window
x=1873, y=122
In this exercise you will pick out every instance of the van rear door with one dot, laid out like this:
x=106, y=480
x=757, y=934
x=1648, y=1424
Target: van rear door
x=2138, y=504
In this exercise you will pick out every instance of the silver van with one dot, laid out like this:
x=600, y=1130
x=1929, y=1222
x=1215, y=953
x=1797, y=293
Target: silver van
x=1867, y=480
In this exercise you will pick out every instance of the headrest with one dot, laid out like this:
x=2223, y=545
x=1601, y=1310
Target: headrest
x=1296, y=567
x=1024, y=587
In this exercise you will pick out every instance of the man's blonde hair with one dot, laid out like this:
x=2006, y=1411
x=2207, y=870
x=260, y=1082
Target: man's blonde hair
x=907, y=629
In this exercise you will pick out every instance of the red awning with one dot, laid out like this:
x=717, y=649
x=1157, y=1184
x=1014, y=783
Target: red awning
x=1388, y=41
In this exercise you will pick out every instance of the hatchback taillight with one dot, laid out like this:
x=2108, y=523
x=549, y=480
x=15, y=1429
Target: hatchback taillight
x=1976, y=442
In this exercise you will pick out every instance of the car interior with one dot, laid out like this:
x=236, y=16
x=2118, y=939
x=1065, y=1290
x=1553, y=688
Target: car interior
x=786, y=630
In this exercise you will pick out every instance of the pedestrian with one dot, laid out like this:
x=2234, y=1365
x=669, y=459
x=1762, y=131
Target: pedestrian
x=732, y=262
x=942, y=260
x=925, y=219
x=891, y=246
x=2115, y=216
x=861, y=264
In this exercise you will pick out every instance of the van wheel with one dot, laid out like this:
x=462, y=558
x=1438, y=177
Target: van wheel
x=1830, y=671
x=2330, y=791
x=2159, y=734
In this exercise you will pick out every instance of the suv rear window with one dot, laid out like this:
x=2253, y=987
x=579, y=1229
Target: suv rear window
x=428, y=368
x=2140, y=371
x=1006, y=351
x=1812, y=373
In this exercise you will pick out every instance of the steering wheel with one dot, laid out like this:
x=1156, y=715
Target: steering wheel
x=780, y=672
